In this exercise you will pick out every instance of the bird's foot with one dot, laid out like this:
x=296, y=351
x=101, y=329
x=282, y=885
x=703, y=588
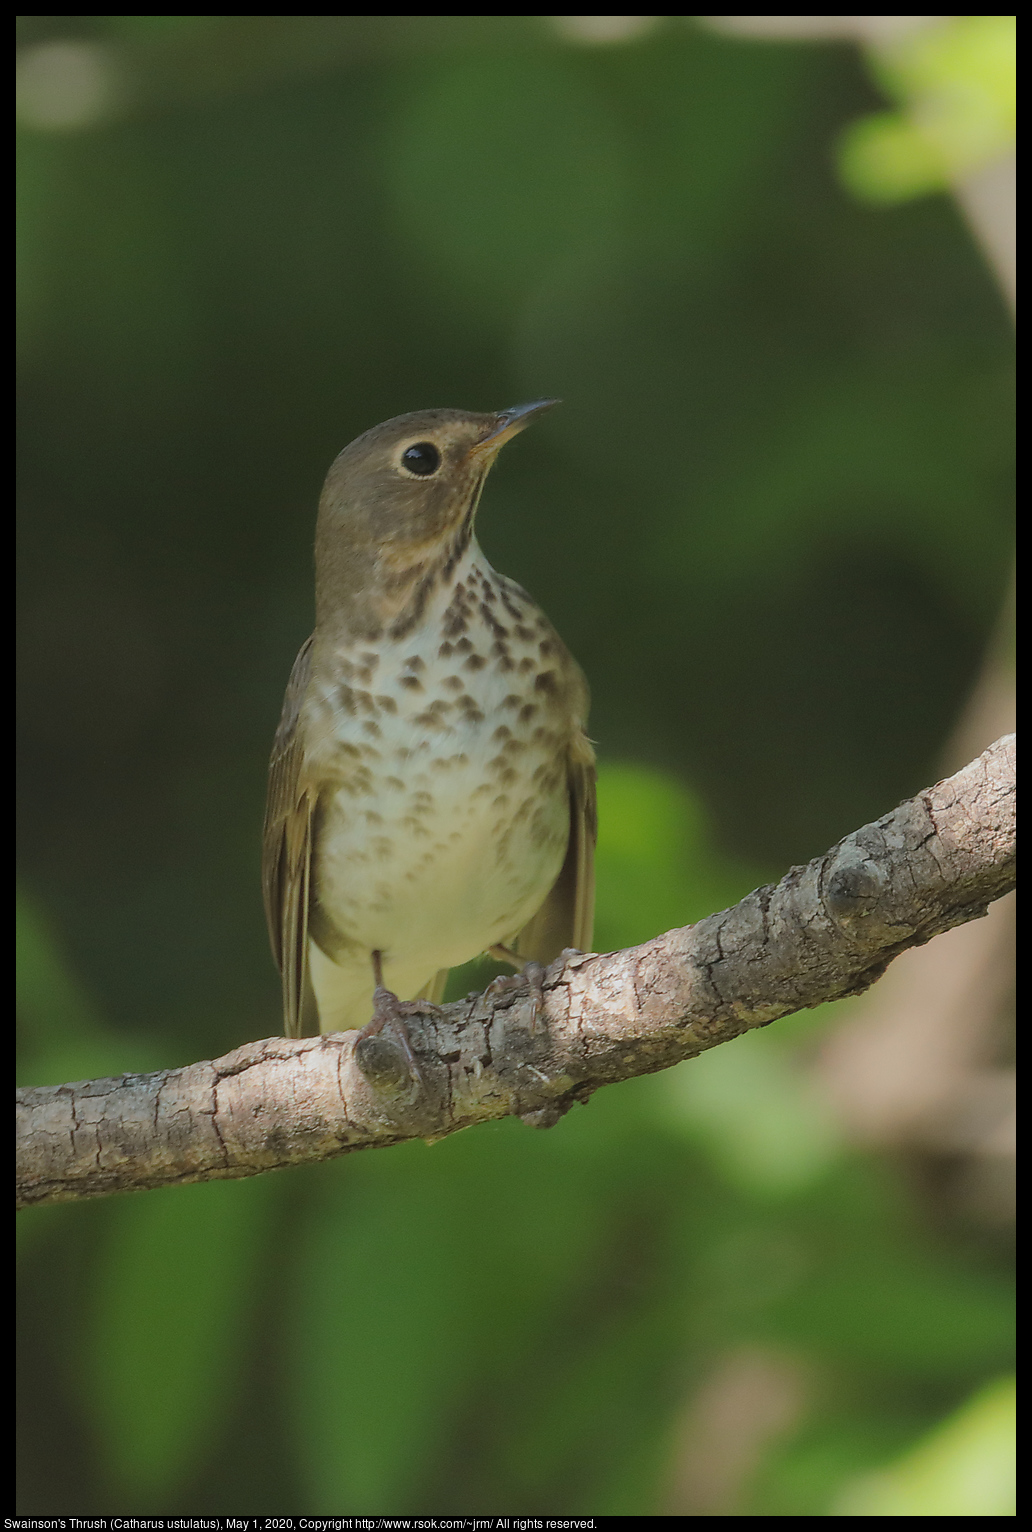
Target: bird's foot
x=377, y=1063
x=531, y=974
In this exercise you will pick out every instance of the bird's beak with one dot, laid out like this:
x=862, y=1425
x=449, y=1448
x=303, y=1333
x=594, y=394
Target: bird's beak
x=510, y=423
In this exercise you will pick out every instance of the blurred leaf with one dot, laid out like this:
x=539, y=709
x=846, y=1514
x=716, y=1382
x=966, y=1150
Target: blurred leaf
x=886, y=158
x=966, y=1467
x=847, y=1432
x=173, y=1296
x=756, y=1115
x=957, y=80
x=656, y=866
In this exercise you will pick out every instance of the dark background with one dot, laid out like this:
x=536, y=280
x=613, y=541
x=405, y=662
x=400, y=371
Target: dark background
x=772, y=520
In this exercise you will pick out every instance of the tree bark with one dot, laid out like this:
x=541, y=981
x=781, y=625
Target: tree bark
x=825, y=931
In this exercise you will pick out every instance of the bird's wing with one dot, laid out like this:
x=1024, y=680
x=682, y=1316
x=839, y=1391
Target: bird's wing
x=287, y=850
x=568, y=913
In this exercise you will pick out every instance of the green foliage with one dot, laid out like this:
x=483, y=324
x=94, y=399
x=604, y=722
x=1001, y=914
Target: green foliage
x=771, y=519
x=749, y=1108
x=957, y=83
x=63, y=1033
x=657, y=865
x=172, y=1302
x=418, y=1288
x=966, y=1467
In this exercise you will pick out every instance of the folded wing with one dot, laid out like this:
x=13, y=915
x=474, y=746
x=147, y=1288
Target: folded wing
x=287, y=852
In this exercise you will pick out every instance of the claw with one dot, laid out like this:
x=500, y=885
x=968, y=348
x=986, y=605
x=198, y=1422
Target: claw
x=535, y=977
x=390, y=1012
x=531, y=973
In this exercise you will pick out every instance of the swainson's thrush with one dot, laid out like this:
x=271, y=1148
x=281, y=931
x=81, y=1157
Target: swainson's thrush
x=431, y=787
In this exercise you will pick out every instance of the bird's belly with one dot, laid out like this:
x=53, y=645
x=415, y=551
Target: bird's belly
x=431, y=862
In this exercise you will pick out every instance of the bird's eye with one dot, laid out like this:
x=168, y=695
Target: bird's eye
x=423, y=458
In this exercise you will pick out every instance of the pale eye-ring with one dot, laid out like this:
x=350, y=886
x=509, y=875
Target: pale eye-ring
x=422, y=458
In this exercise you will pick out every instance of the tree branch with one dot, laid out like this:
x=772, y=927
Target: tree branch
x=825, y=931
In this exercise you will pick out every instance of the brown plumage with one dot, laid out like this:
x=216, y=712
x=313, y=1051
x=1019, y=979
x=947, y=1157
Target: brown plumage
x=431, y=787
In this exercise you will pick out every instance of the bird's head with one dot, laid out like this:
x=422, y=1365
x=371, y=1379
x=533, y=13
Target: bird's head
x=398, y=504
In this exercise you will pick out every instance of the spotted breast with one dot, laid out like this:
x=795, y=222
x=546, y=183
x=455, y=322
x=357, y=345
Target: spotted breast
x=444, y=820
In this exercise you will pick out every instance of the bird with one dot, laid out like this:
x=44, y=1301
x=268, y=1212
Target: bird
x=431, y=790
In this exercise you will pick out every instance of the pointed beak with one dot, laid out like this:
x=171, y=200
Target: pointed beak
x=509, y=424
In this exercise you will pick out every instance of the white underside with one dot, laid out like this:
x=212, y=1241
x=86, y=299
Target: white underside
x=433, y=858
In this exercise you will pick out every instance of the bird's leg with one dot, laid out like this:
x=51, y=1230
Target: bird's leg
x=531, y=972
x=388, y=1010
x=504, y=954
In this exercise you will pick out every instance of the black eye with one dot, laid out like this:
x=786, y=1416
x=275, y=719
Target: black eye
x=423, y=458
